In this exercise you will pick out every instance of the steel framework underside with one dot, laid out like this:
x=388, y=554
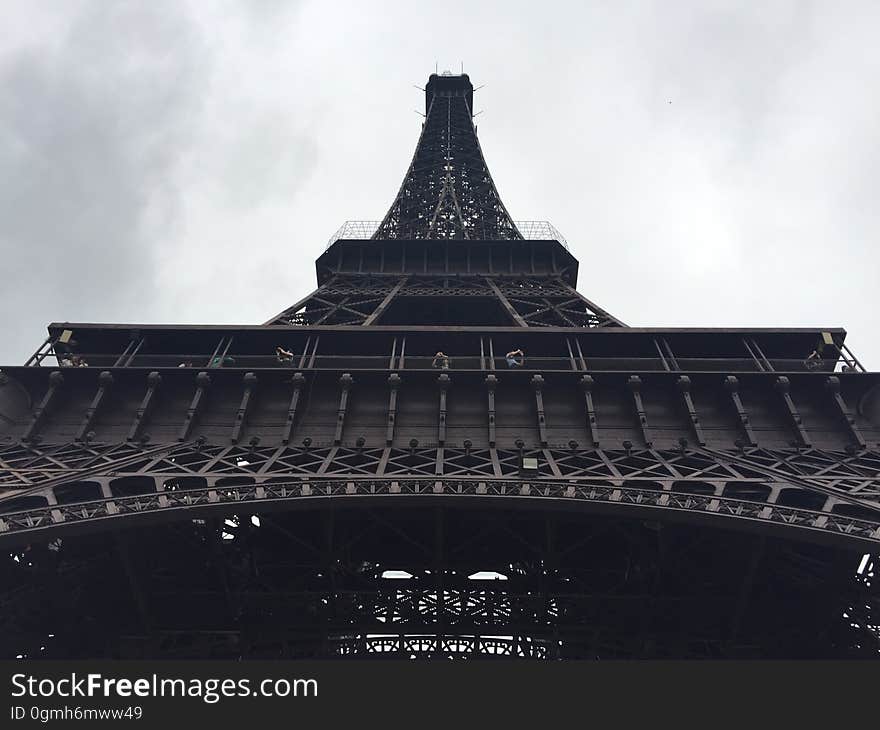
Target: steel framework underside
x=197, y=550
x=431, y=580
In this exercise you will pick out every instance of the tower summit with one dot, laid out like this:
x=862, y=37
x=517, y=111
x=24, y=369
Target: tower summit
x=447, y=251
x=447, y=191
x=443, y=408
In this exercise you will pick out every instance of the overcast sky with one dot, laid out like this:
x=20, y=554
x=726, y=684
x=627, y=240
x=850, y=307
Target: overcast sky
x=711, y=164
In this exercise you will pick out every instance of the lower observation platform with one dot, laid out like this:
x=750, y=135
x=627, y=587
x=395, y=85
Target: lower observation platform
x=620, y=493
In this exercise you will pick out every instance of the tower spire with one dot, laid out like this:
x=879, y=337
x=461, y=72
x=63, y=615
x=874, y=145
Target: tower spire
x=447, y=191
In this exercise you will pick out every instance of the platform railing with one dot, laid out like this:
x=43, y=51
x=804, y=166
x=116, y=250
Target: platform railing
x=530, y=230
x=466, y=362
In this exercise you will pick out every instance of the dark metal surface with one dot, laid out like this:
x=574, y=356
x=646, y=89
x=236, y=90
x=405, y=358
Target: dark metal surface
x=433, y=582
x=616, y=492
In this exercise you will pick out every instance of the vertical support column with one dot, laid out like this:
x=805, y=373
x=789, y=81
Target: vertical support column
x=443, y=383
x=394, y=383
x=345, y=383
x=491, y=384
x=56, y=380
x=105, y=382
x=538, y=385
x=203, y=382
x=587, y=384
x=247, y=398
x=731, y=384
x=832, y=385
x=154, y=380
x=298, y=381
x=783, y=387
x=393, y=388
x=635, y=385
x=107, y=494
x=684, y=387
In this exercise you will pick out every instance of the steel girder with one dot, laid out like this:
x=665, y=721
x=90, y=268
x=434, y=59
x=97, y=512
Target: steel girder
x=818, y=495
x=28, y=466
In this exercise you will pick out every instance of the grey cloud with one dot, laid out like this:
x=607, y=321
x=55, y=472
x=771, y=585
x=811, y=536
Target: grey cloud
x=89, y=135
x=207, y=151
x=265, y=159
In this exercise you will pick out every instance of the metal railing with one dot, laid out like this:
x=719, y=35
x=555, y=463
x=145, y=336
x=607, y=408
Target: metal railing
x=463, y=362
x=530, y=230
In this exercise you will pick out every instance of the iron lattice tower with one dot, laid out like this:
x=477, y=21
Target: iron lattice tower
x=448, y=191
x=615, y=492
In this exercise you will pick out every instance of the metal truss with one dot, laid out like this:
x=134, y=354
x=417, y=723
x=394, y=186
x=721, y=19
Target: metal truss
x=442, y=647
x=379, y=583
x=529, y=301
x=553, y=303
x=641, y=500
x=448, y=191
x=835, y=494
x=344, y=300
x=349, y=646
x=28, y=465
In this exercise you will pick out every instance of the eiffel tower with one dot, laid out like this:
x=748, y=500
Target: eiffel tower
x=445, y=450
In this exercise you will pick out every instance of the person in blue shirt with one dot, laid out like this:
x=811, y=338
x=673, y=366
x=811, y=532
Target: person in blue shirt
x=513, y=361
